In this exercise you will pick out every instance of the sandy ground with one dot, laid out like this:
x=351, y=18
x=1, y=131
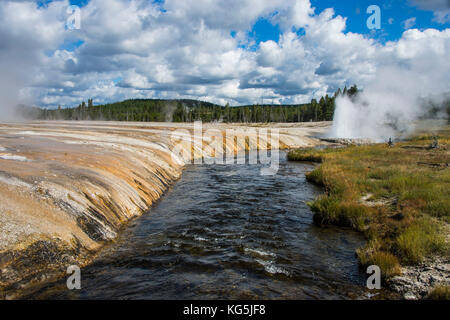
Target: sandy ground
x=69, y=186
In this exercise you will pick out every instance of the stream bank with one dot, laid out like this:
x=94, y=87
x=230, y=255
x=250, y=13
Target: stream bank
x=68, y=188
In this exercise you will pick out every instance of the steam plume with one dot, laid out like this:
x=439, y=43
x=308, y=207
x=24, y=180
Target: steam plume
x=392, y=104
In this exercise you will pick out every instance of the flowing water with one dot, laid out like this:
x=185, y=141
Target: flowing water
x=226, y=232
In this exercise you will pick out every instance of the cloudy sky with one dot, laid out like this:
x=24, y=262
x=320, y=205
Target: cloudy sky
x=236, y=51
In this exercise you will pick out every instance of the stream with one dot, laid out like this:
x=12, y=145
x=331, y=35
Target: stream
x=226, y=232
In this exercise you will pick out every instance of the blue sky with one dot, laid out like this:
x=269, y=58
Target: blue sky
x=233, y=51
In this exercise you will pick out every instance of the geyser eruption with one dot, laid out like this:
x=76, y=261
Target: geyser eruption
x=390, y=107
x=384, y=109
x=397, y=99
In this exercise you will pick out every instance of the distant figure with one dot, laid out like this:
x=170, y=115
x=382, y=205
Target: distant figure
x=390, y=143
x=435, y=143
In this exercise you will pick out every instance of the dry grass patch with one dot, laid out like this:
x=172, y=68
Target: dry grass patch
x=387, y=262
x=440, y=293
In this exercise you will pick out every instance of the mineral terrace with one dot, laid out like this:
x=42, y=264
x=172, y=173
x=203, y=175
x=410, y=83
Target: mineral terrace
x=66, y=188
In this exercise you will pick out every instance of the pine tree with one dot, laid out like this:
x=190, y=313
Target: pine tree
x=353, y=91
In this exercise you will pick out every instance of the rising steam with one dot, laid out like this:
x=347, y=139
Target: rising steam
x=394, y=102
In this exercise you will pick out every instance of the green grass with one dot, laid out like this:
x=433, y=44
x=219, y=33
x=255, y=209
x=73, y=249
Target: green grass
x=399, y=196
x=419, y=240
x=329, y=210
x=316, y=176
x=310, y=154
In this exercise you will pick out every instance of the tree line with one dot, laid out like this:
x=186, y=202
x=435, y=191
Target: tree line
x=156, y=110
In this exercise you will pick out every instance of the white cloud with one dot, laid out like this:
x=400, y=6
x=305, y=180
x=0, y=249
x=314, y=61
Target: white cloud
x=440, y=8
x=409, y=23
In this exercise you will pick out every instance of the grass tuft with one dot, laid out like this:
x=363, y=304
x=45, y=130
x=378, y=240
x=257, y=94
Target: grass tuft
x=419, y=240
x=441, y=292
x=329, y=210
x=387, y=262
